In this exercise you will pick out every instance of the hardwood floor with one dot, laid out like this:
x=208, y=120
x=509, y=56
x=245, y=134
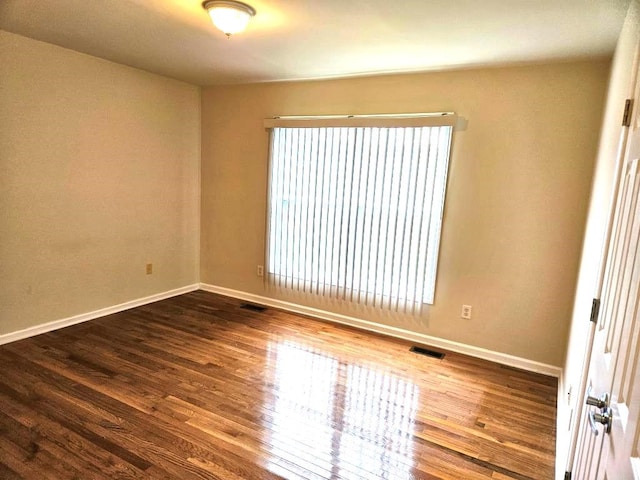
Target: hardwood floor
x=195, y=387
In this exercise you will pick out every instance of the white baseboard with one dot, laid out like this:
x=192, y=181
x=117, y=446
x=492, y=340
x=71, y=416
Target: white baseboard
x=470, y=350
x=65, y=322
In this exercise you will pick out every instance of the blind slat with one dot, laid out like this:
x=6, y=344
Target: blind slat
x=378, y=288
x=401, y=220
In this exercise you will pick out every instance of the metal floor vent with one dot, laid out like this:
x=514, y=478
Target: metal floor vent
x=427, y=352
x=253, y=307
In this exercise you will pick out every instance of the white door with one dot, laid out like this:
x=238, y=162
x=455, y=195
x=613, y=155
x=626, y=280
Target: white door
x=609, y=441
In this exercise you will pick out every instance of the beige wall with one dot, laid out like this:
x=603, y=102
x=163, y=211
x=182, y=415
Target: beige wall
x=620, y=88
x=99, y=175
x=516, y=203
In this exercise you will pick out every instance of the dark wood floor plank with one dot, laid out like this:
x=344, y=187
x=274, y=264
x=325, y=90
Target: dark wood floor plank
x=195, y=387
x=63, y=441
x=7, y=473
x=123, y=420
x=35, y=448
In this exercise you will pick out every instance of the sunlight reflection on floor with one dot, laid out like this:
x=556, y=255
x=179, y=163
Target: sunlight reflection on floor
x=338, y=419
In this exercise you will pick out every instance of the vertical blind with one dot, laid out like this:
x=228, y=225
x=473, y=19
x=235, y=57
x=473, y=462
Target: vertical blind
x=355, y=213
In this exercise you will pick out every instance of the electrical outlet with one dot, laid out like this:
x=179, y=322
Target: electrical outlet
x=466, y=312
x=260, y=271
x=149, y=268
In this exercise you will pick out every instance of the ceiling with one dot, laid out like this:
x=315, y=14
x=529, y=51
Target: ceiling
x=302, y=39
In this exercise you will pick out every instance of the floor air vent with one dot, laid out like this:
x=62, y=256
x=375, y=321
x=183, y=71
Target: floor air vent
x=252, y=307
x=427, y=352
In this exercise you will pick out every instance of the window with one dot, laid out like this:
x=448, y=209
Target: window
x=355, y=212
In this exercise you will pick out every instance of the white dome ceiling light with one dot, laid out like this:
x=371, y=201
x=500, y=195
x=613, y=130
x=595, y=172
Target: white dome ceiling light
x=229, y=16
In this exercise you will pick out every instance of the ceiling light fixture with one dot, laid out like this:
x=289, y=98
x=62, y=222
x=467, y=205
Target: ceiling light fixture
x=229, y=16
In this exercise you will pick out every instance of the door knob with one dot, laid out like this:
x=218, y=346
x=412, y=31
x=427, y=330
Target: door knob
x=604, y=418
x=602, y=402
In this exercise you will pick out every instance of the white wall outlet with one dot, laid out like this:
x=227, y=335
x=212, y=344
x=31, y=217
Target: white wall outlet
x=466, y=312
x=260, y=271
